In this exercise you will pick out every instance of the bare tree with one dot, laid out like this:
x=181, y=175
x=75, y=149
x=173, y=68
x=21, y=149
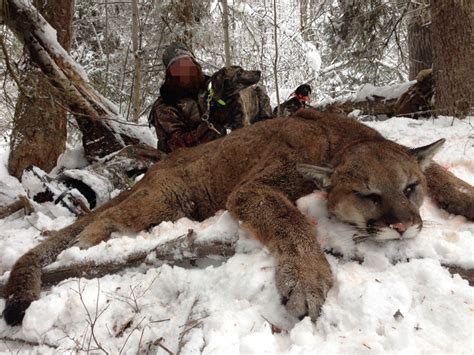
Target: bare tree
x=307, y=10
x=419, y=38
x=39, y=131
x=137, y=60
x=183, y=11
x=453, y=59
x=225, y=25
x=275, y=62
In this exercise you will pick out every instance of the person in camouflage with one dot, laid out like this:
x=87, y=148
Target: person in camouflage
x=176, y=114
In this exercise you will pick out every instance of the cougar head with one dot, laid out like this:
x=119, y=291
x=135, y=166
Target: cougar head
x=378, y=187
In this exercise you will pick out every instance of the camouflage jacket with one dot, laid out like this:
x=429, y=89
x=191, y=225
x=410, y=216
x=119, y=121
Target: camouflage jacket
x=179, y=125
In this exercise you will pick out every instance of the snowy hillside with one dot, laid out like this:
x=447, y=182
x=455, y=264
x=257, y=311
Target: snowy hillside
x=400, y=299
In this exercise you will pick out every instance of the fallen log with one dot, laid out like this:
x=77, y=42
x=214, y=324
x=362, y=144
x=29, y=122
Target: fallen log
x=22, y=202
x=185, y=248
x=81, y=190
x=98, y=181
x=414, y=102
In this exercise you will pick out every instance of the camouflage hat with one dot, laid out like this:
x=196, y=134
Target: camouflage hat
x=174, y=50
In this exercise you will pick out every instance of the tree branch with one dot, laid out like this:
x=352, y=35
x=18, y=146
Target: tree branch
x=22, y=202
x=184, y=248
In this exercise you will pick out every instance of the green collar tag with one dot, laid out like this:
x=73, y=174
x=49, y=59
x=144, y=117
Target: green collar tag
x=210, y=96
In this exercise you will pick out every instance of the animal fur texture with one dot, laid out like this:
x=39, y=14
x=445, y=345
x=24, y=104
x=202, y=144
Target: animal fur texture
x=257, y=173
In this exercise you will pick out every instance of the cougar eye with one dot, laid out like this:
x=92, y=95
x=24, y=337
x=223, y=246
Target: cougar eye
x=373, y=197
x=410, y=189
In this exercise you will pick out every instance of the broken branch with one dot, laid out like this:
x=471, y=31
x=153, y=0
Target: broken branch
x=184, y=248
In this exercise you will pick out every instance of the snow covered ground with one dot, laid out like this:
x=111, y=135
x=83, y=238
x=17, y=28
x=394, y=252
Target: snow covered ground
x=399, y=300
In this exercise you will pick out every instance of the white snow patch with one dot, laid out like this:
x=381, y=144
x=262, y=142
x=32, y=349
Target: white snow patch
x=384, y=305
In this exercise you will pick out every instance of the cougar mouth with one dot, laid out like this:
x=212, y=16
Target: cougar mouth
x=384, y=233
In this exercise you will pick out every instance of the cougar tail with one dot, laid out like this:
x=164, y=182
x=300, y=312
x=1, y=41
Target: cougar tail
x=450, y=193
x=24, y=284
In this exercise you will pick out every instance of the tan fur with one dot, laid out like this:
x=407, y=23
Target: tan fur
x=256, y=173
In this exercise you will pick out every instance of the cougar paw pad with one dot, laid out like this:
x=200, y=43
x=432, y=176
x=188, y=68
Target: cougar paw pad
x=15, y=312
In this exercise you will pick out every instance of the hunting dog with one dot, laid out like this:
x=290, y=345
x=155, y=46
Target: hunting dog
x=232, y=98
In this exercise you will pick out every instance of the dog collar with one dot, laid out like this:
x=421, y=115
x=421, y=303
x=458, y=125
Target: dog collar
x=213, y=104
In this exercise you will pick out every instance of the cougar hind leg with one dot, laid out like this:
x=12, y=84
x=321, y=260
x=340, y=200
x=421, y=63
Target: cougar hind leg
x=450, y=193
x=133, y=210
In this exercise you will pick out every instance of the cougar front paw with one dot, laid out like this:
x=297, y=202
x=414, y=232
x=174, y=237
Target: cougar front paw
x=304, y=284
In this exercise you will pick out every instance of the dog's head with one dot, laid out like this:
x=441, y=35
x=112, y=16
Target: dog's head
x=229, y=81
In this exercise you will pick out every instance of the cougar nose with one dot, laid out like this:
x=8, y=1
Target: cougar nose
x=401, y=227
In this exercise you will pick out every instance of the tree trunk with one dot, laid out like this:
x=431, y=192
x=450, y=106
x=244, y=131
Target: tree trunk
x=104, y=130
x=275, y=61
x=419, y=39
x=137, y=61
x=39, y=127
x=225, y=24
x=307, y=9
x=453, y=58
x=184, y=14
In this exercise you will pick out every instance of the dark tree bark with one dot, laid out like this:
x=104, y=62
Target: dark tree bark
x=39, y=131
x=453, y=58
x=419, y=39
x=225, y=27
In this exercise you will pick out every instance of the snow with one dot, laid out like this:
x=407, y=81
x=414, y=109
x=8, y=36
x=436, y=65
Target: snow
x=313, y=57
x=389, y=92
x=400, y=299
x=371, y=92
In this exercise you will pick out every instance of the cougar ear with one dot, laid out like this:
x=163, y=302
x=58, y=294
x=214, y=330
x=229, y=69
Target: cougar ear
x=320, y=175
x=426, y=153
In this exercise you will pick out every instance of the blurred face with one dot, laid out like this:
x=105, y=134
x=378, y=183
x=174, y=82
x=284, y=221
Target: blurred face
x=185, y=72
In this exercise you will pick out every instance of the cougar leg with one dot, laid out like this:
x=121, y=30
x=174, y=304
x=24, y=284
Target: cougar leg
x=132, y=210
x=303, y=276
x=451, y=193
